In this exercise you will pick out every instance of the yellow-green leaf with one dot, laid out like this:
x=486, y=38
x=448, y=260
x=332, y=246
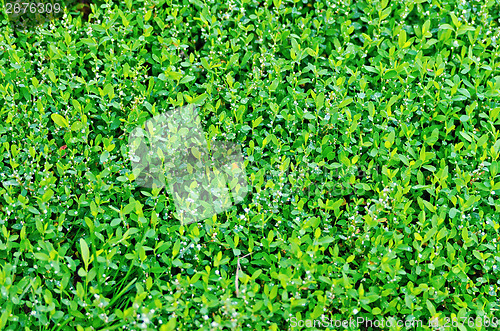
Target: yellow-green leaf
x=85, y=253
x=59, y=120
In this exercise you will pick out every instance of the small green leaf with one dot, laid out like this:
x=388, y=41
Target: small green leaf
x=177, y=247
x=47, y=195
x=469, y=203
x=390, y=74
x=204, y=63
x=494, y=113
x=433, y=138
x=320, y=100
x=482, y=141
x=345, y=103
x=126, y=70
x=187, y=79
x=199, y=99
x=104, y=156
x=431, y=308
x=455, y=20
x=52, y=76
x=33, y=210
x=402, y=38
x=464, y=118
x=494, y=168
x=76, y=126
x=453, y=212
x=274, y=85
x=60, y=120
x=466, y=136
x=41, y=256
x=85, y=253
x=129, y=208
x=309, y=116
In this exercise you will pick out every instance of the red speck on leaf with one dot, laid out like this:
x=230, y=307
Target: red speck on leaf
x=63, y=147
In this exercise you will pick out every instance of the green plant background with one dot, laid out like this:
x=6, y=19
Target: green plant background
x=405, y=93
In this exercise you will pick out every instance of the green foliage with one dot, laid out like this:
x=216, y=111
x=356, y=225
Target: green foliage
x=370, y=131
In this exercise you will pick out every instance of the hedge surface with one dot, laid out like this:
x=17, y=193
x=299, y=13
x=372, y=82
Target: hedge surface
x=371, y=136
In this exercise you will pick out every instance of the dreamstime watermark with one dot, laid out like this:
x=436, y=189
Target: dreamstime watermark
x=170, y=150
x=358, y=322
x=206, y=178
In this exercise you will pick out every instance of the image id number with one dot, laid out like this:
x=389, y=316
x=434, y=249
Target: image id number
x=471, y=322
x=32, y=7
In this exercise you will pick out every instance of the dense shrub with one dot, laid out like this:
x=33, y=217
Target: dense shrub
x=371, y=136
